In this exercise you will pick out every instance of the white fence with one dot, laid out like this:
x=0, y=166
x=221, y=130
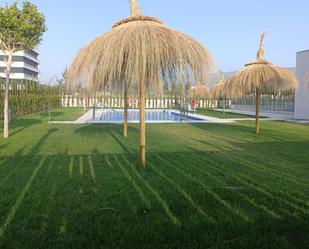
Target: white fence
x=151, y=103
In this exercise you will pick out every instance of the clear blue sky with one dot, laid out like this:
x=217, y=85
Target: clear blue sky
x=230, y=29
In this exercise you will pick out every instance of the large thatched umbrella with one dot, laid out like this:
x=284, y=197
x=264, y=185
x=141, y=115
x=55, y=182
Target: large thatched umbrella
x=260, y=76
x=141, y=54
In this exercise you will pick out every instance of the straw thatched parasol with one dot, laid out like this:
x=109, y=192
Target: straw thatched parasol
x=141, y=54
x=219, y=91
x=260, y=76
x=198, y=92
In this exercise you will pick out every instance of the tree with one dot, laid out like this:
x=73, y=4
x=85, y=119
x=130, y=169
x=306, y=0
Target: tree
x=20, y=29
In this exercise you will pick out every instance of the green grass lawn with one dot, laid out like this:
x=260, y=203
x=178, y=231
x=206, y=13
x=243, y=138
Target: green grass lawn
x=205, y=186
x=67, y=114
x=220, y=114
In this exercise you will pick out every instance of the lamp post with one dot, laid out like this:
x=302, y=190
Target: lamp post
x=49, y=96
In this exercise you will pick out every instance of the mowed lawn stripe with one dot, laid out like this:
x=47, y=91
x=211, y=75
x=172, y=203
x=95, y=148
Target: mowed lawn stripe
x=245, y=179
x=237, y=211
x=14, y=209
x=220, y=184
x=160, y=200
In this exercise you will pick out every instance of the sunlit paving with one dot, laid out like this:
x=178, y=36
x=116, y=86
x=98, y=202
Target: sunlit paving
x=181, y=125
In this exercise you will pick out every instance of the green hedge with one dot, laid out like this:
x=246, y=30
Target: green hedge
x=26, y=97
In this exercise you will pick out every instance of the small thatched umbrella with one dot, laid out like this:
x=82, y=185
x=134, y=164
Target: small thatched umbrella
x=260, y=76
x=198, y=92
x=141, y=54
x=219, y=91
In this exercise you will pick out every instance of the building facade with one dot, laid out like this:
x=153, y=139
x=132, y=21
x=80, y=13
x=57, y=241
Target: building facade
x=302, y=92
x=25, y=65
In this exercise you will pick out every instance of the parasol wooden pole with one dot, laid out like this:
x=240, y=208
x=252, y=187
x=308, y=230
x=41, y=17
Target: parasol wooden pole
x=93, y=107
x=257, y=111
x=142, y=126
x=125, y=112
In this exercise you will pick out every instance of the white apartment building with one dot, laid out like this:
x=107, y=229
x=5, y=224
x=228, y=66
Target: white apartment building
x=302, y=92
x=25, y=65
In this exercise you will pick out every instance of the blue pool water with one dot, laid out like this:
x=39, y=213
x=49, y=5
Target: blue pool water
x=151, y=115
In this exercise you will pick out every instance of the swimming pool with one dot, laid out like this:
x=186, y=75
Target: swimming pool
x=156, y=116
x=151, y=115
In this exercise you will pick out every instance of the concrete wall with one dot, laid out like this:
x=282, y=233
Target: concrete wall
x=302, y=93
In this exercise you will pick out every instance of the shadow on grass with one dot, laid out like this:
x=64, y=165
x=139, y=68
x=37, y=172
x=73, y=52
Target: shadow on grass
x=246, y=128
x=118, y=141
x=22, y=124
x=95, y=129
x=4, y=145
x=72, y=194
x=26, y=169
x=227, y=128
x=52, y=114
x=41, y=141
x=71, y=199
